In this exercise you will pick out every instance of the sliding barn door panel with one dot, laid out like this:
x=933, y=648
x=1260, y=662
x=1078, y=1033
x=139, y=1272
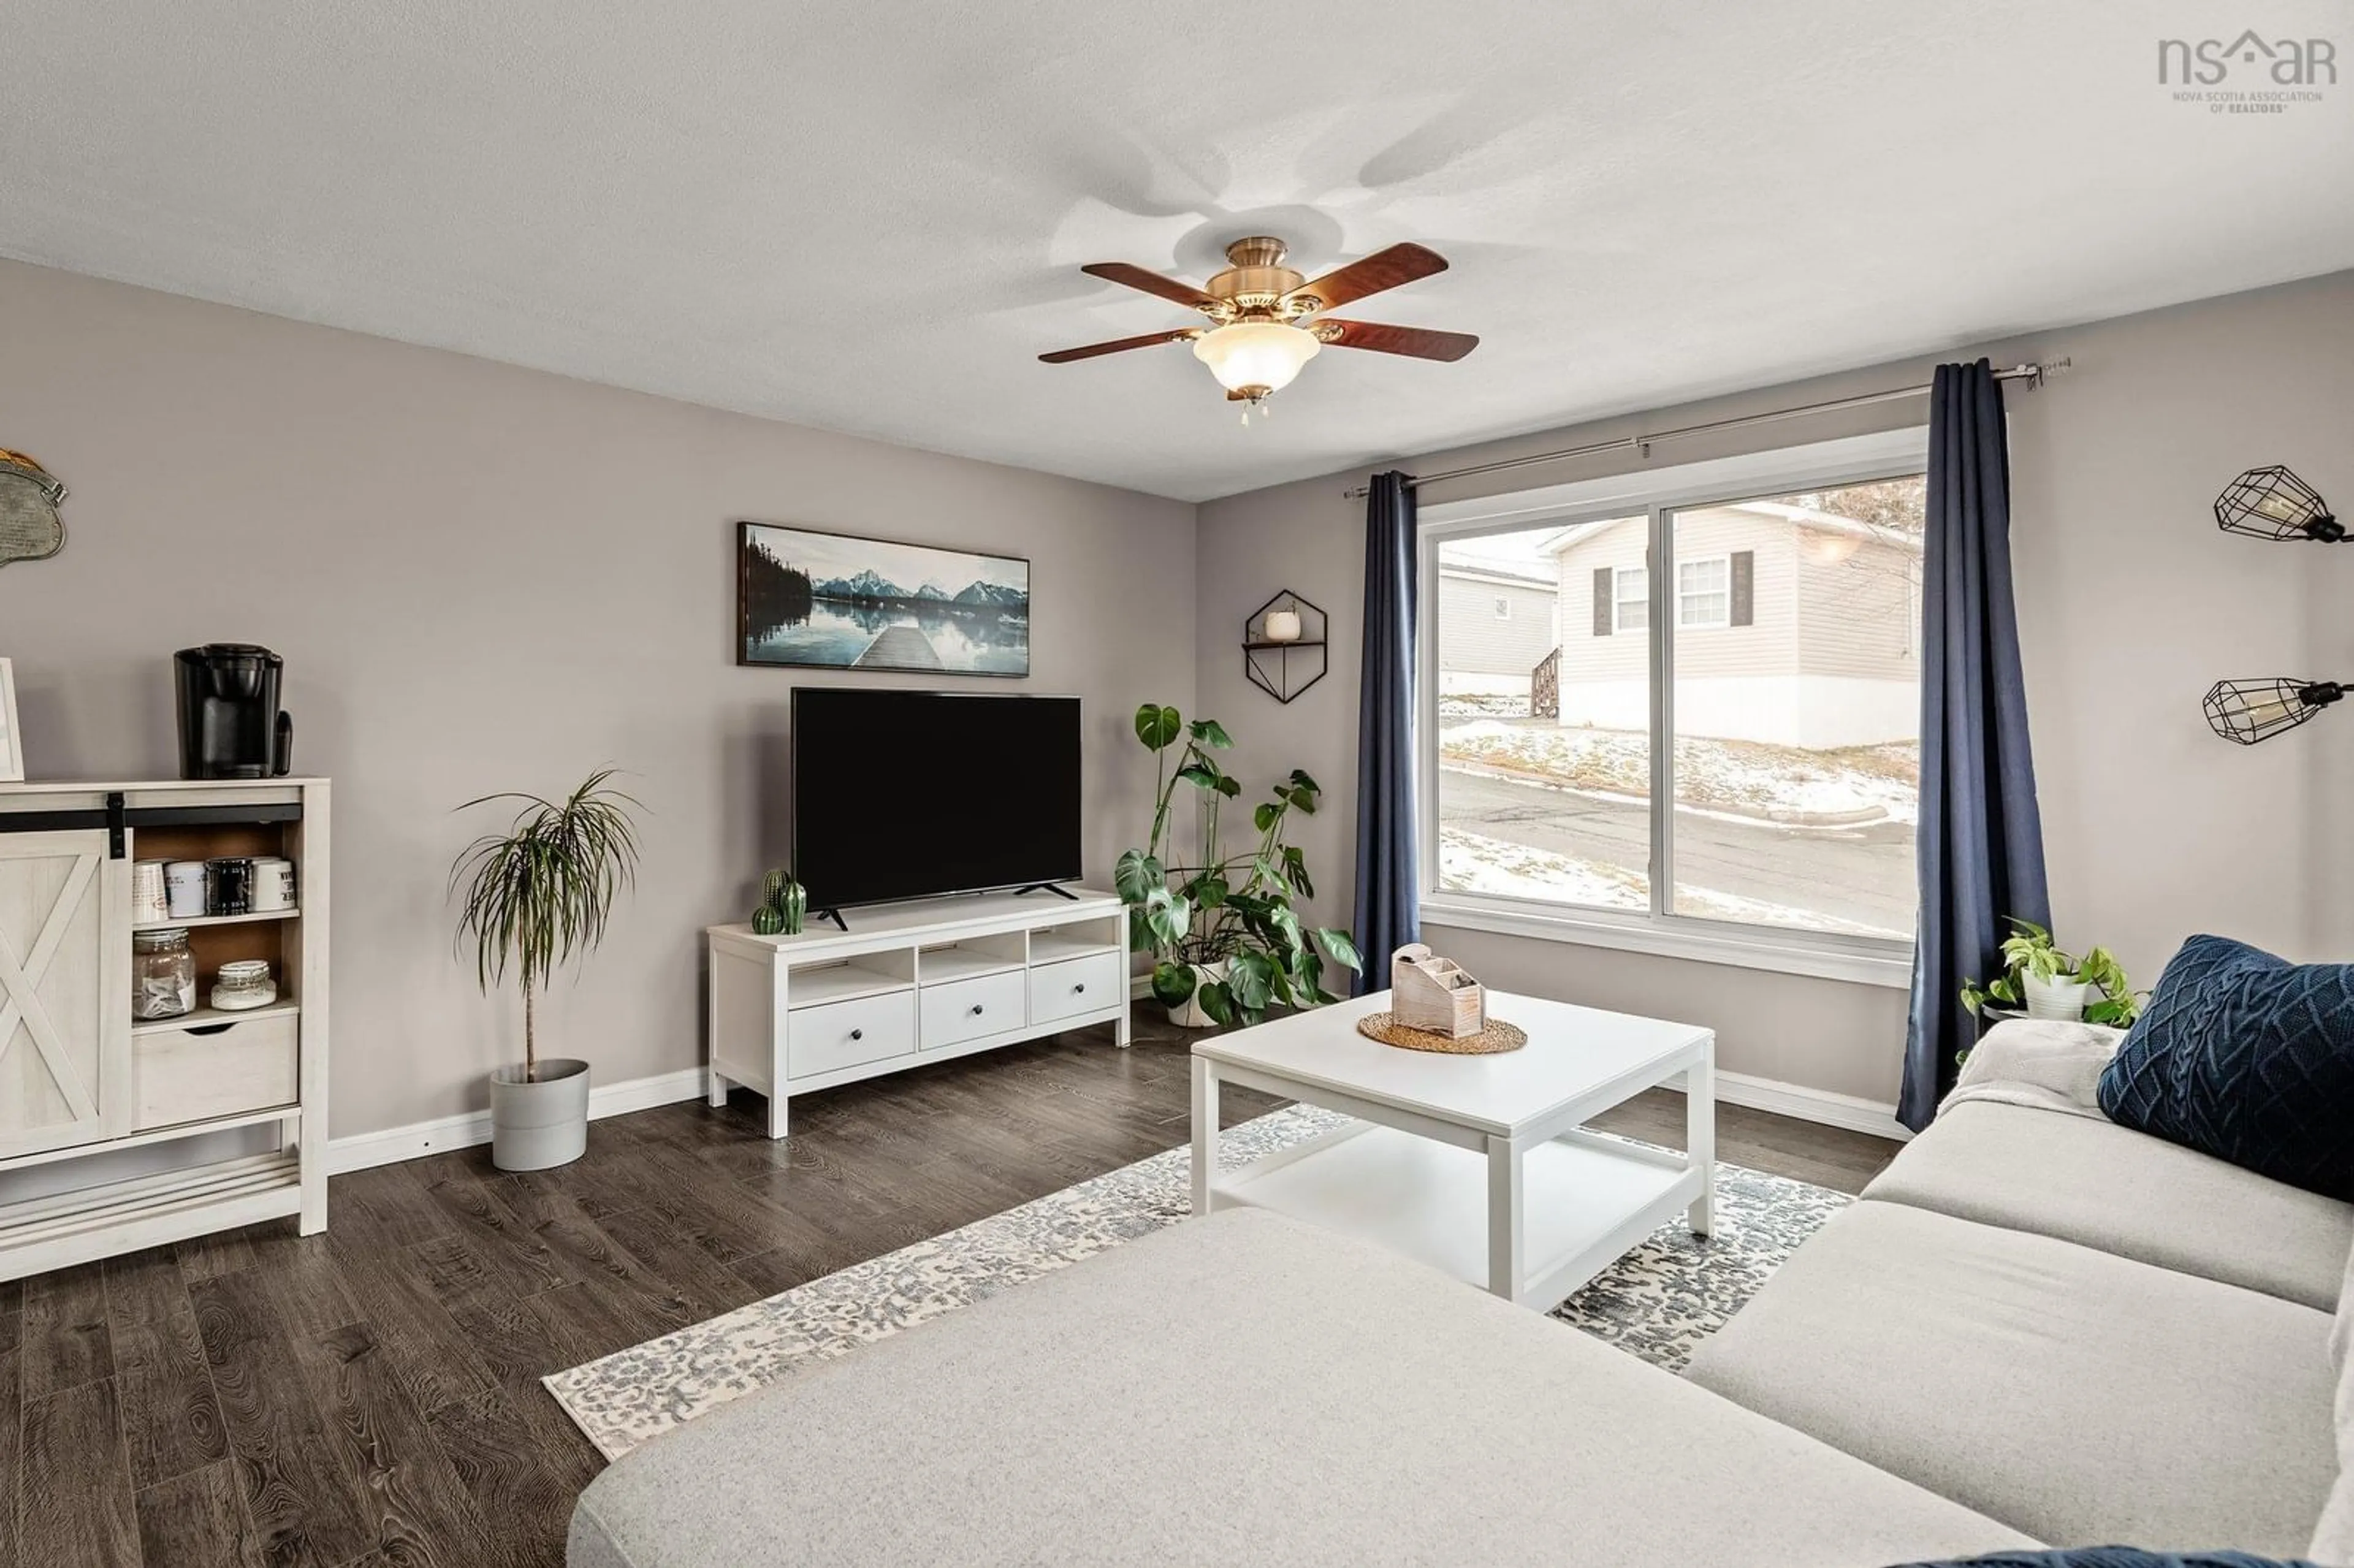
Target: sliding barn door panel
x=65, y=1032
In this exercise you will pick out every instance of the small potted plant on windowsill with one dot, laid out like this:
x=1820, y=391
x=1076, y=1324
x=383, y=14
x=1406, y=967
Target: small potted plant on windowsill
x=532, y=897
x=2047, y=983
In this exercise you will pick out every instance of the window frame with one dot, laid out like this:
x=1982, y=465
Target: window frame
x=1619, y=599
x=1723, y=559
x=1656, y=494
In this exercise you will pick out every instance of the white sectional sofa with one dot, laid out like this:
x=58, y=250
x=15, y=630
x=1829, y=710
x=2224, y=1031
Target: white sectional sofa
x=2088, y=1334
x=2035, y=1328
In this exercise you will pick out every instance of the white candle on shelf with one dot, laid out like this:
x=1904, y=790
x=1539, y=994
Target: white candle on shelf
x=1283, y=626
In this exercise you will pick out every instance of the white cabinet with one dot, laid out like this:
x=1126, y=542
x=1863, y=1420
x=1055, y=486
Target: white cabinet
x=909, y=983
x=65, y=1022
x=110, y=1129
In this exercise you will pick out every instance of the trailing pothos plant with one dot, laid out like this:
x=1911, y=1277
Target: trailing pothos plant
x=2030, y=950
x=1233, y=909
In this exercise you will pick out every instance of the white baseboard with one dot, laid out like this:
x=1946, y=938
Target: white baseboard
x=1795, y=1100
x=363, y=1149
x=1803, y=1103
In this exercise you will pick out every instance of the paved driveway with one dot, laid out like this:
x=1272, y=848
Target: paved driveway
x=1863, y=874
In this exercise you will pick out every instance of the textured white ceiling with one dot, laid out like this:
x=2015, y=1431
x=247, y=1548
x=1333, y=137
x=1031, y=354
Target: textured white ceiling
x=869, y=218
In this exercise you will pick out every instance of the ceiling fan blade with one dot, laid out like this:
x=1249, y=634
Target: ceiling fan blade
x=1150, y=340
x=1419, y=343
x=1381, y=269
x=1150, y=282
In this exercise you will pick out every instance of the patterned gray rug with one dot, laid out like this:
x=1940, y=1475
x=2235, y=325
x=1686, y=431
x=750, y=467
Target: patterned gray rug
x=1658, y=1301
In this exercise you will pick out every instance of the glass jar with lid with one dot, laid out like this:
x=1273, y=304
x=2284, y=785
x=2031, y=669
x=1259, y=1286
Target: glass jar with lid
x=244, y=984
x=162, y=973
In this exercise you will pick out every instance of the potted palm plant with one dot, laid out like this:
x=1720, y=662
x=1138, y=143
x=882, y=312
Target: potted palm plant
x=1226, y=941
x=531, y=898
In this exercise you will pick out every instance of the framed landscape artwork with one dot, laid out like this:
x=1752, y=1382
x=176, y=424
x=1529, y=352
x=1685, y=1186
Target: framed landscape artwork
x=835, y=601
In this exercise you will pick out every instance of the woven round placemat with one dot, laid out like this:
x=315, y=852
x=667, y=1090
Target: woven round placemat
x=1497, y=1037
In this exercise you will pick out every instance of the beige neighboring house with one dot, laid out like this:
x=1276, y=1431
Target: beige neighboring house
x=1794, y=627
x=1495, y=626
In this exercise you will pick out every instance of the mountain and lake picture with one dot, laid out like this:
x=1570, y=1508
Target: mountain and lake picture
x=833, y=601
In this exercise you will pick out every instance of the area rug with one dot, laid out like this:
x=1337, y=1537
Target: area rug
x=1658, y=1302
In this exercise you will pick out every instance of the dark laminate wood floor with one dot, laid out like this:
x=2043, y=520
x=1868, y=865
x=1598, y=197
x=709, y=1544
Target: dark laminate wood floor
x=371, y=1396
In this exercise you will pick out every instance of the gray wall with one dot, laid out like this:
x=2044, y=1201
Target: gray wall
x=484, y=578
x=2131, y=604
x=488, y=578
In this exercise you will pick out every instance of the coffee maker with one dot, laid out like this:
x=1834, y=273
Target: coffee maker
x=230, y=723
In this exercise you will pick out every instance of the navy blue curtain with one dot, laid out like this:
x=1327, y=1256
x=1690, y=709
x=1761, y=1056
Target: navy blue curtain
x=1981, y=838
x=1387, y=914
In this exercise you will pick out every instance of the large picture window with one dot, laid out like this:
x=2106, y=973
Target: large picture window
x=1751, y=659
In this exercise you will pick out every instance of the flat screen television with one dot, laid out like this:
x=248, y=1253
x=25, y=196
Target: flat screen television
x=911, y=794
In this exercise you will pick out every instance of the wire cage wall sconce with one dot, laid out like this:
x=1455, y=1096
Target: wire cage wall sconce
x=2273, y=504
x=2247, y=712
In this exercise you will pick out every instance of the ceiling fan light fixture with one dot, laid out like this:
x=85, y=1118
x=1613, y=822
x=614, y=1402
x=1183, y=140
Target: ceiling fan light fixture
x=1255, y=358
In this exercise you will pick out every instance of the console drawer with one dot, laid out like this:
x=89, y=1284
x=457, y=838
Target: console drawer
x=214, y=1069
x=846, y=1034
x=966, y=1010
x=1074, y=986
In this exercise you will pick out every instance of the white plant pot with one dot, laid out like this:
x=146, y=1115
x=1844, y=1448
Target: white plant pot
x=2060, y=1001
x=539, y=1122
x=1190, y=1015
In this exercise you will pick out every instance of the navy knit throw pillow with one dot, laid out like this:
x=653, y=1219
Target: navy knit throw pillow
x=2249, y=1058
x=2117, y=1557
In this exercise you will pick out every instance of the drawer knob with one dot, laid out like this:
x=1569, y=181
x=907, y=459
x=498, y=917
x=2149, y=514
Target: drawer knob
x=858, y=1035
x=976, y=1009
x=1081, y=986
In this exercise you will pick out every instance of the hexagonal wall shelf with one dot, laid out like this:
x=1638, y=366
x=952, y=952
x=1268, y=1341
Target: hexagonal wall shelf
x=1283, y=646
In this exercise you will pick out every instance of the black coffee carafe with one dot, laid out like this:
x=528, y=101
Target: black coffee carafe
x=230, y=723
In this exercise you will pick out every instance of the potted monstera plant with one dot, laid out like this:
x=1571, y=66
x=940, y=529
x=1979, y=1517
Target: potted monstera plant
x=1225, y=941
x=531, y=899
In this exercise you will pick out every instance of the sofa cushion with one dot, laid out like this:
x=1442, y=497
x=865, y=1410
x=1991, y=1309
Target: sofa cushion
x=2078, y=1397
x=2105, y=1186
x=2112, y=1557
x=2247, y=1058
x=2333, y=1539
x=1243, y=1389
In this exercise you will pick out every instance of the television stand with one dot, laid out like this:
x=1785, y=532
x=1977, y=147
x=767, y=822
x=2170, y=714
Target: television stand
x=832, y=915
x=1055, y=888
x=917, y=982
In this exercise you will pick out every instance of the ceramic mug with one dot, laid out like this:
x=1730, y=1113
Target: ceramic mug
x=184, y=881
x=151, y=903
x=229, y=886
x=273, y=884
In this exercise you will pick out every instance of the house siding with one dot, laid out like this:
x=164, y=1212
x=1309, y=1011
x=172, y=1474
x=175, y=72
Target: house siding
x=1473, y=640
x=1824, y=660
x=1855, y=615
x=1767, y=646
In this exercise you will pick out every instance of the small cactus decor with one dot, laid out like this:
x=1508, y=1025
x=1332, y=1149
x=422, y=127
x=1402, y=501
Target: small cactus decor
x=783, y=903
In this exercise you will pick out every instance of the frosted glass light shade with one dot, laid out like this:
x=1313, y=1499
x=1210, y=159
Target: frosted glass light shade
x=1262, y=355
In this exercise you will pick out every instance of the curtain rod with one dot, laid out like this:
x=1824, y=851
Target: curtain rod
x=2032, y=372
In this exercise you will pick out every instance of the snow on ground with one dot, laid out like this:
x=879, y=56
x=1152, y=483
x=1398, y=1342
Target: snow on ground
x=1483, y=705
x=1745, y=776
x=1474, y=863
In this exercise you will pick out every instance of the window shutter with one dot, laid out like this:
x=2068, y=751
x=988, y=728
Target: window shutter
x=1605, y=612
x=1744, y=587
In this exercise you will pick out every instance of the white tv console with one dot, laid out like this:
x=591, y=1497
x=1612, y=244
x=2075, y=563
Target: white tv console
x=906, y=984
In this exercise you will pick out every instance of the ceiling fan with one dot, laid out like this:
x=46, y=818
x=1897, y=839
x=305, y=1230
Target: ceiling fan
x=1266, y=321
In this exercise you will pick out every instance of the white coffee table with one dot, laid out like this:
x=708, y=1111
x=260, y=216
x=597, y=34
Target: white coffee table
x=1478, y=1164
